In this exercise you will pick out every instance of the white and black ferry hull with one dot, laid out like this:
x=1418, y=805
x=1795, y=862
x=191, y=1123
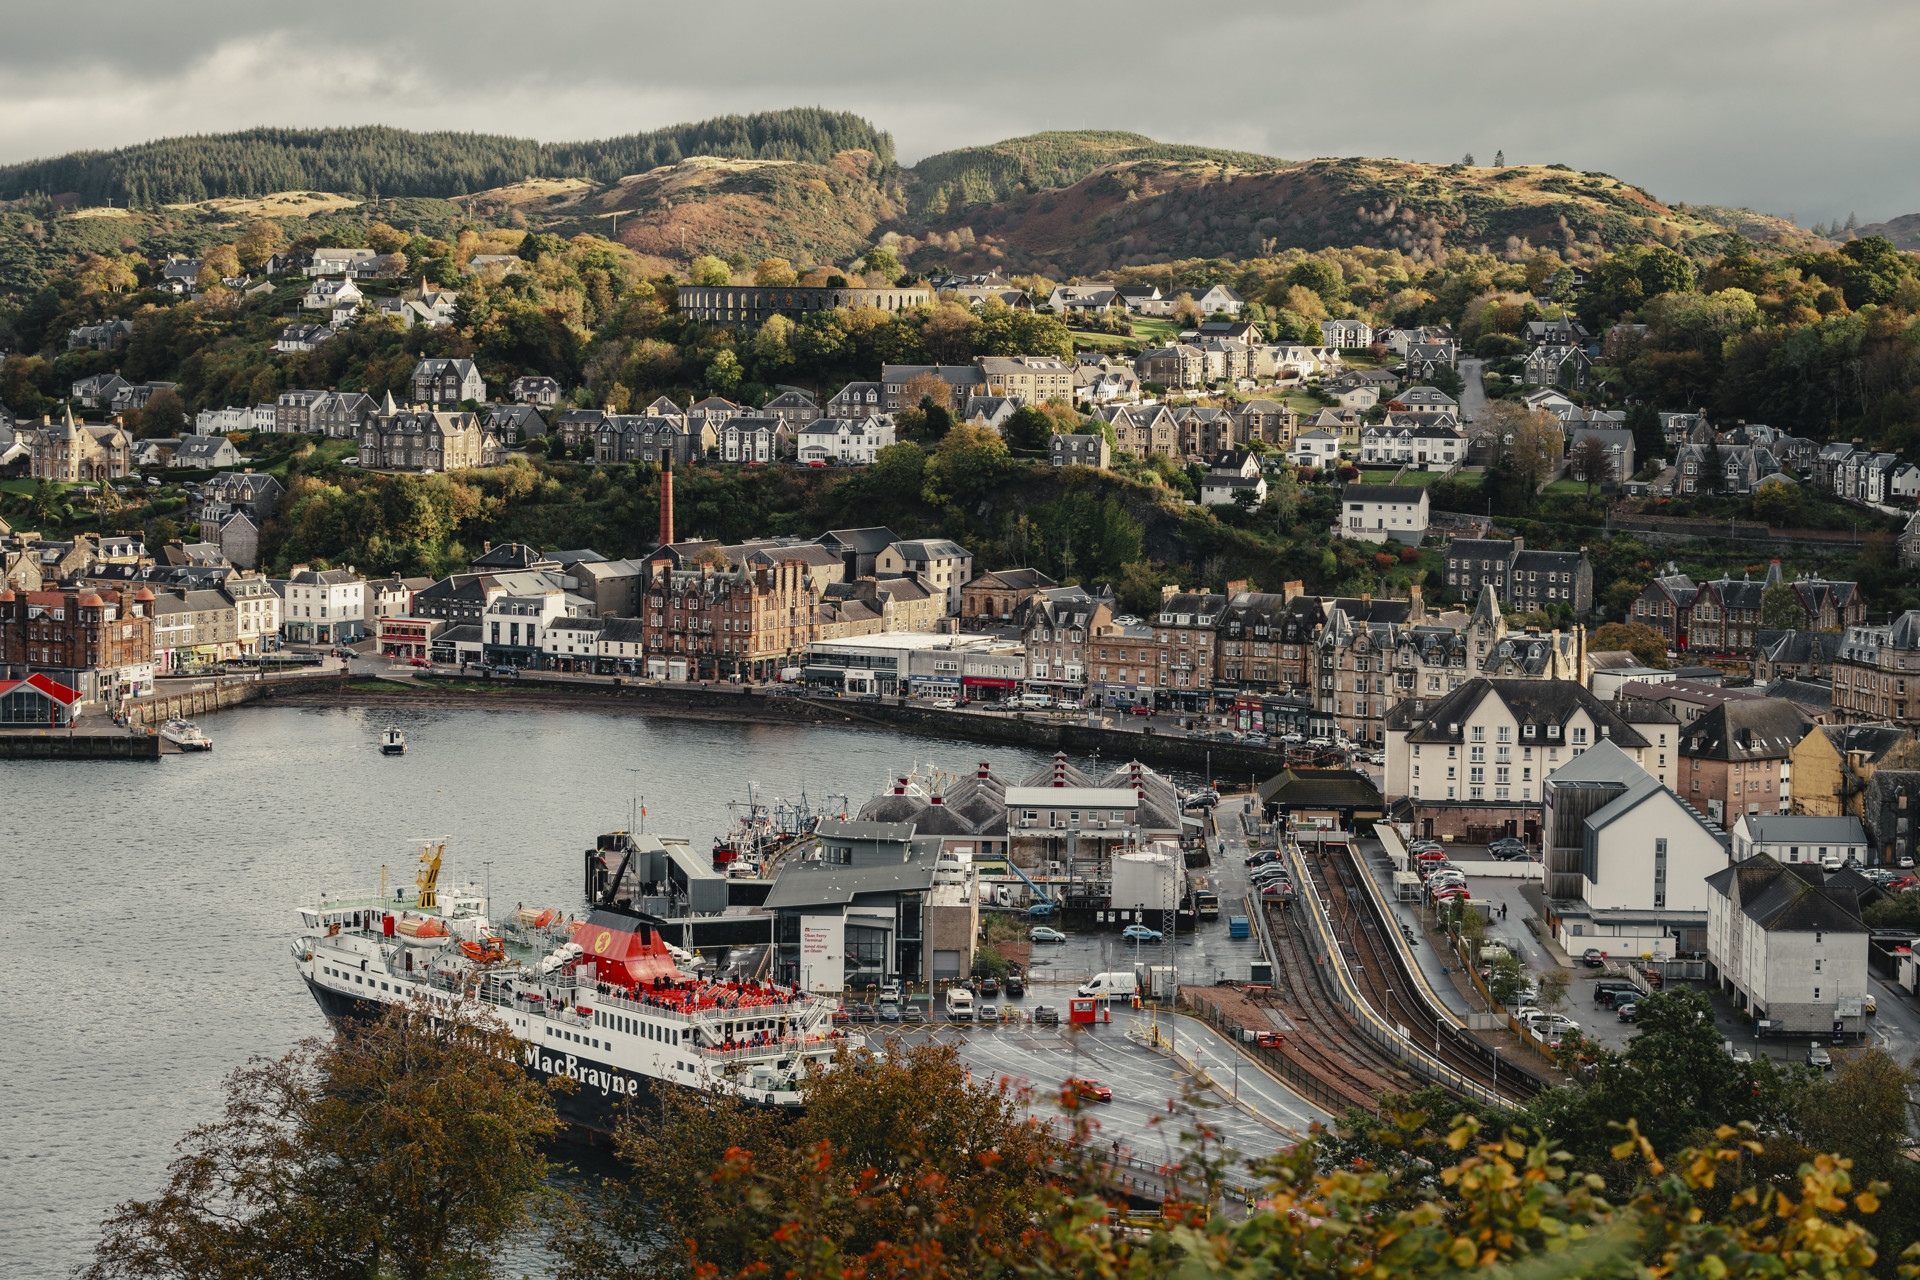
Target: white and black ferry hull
x=591, y=1109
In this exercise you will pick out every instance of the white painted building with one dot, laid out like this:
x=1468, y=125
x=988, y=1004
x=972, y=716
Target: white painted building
x=848, y=441
x=1314, y=449
x=1644, y=863
x=1787, y=948
x=1383, y=512
x=1789, y=839
x=325, y=606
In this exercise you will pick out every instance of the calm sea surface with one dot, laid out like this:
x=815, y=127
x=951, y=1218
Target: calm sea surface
x=146, y=909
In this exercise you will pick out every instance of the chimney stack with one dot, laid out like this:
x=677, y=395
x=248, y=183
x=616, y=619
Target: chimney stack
x=983, y=770
x=666, y=499
x=1292, y=590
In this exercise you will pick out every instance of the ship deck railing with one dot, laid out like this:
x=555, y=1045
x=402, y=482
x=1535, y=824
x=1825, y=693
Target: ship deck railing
x=780, y=1047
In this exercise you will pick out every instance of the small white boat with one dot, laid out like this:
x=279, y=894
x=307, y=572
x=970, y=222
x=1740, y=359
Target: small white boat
x=186, y=735
x=393, y=743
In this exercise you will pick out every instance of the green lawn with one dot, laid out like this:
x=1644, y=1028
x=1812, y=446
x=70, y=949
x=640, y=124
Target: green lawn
x=1418, y=479
x=1153, y=330
x=1376, y=477
x=26, y=484
x=1574, y=488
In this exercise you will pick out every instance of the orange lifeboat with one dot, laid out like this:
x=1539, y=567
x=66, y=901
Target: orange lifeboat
x=484, y=955
x=535, y=917
x=421, y=927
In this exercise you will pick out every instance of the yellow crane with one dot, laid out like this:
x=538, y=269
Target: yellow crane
x=429, y=875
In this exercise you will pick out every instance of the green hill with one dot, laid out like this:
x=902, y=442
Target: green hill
x=951, y=180
x=395, y=162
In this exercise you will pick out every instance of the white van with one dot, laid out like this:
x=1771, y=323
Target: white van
x=1034, y=702
x=1125, y=985
x=959, y=1004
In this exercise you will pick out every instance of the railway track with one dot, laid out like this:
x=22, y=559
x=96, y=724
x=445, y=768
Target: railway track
x=1384, y=976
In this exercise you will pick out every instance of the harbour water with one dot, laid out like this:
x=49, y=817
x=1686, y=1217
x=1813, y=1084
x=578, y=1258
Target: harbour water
x=147, y=907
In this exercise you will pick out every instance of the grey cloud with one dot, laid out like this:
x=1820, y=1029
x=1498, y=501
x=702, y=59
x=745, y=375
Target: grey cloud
x=1710, y=101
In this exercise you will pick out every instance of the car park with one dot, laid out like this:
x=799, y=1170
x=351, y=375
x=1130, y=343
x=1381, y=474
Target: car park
x=1016, y=981
x=913, y=1014
x=1140, y=933
x=988, y=1013
x=1040, y=933
x=889, y=1013
x=989, y=986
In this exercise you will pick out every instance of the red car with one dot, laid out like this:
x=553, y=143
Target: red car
x=1142, y=711
x=1090, y=1089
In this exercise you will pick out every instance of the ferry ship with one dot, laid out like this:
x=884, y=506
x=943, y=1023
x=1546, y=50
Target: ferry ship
x=602, y=998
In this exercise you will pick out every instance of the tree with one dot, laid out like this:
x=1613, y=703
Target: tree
x=1500, y=159
x=410, y=1148
x=100, y=274
x=1029, y=429
x=723, y=371
x=1319, y=277
x=774, y=273
x=259, y=242
x=895, y=1150
x=1648, y=440
x=1780, y=609
x=385, y=239
x=1642, y=641
x=881, y=259
x=923, y=387
x=1592, y=461
x=709, y=270
x=1467, y=159
x=163, y=415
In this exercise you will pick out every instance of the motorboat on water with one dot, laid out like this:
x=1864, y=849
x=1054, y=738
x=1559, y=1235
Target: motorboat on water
x=186, y=735
x=393, y=742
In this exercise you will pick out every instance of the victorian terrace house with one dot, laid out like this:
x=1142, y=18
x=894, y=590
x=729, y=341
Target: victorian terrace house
x=1873, y=671
x=1183, y=634
x=703, y=623
x=1734, y=758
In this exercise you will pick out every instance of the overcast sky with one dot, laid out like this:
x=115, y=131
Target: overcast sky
x=1784, y=107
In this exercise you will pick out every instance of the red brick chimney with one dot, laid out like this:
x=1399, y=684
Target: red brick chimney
x=666, y=499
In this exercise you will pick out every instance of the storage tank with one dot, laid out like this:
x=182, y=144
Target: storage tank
x=1151, y=880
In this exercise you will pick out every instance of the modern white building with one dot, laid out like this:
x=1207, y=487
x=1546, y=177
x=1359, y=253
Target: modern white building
x=1786, y=947
x=1644, y=862
x=1789, y=839
x=1382, y=513
x=325, y=606
x=1317, y=448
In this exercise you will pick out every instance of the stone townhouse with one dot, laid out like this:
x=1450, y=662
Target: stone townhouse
x=1734, y=758
x=1264, y=641
x=1528, y=578
x=193, y=626
x=1424, y=447
x=793, y=406
x=535, y=390
x=625, y=437
x=705, y=624
x=397, y=439
x=1795, y=655
x=848, y=441
x=758, y=438
x=1346, y=334
x=447, y=382
x=1833, y=764
x=1264, y=420
x=962, y=381
x=1075, y=450
x=943, y=566
x=292, y=410
x=1872, y=671
x=341, y=415
x=1727, y=469
x=856, y=400
x=1184, y=649
x=1145, y=431
x=1666, y=605
x=991, y=600
x=1035, y=379
x=579, y=429
x=1181, y=366
x=76, y=630
x=1059, y=626
x=79, y=453
x=1203, y=430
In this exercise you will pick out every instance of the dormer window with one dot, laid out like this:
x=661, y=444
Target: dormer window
x=1553, y=731
x=1527, y=731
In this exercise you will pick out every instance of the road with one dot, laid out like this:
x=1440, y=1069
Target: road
x=1473, y=399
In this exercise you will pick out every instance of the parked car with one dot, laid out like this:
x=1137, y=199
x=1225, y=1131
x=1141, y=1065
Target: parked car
x=1140, y=933
x=1262, y=858
x=1016, y=981
x=989, y=986
x=988, y=1013
x=1818, y=1058
x=865, y=1013
x=889, y=1013
x=1040, y=933
x=1089, y=1088
x=1046, y=1016
x=1507, y=848
x=1593, y=958
x=1552, y=1024
x=1627, y=1011
x=943, y=704
x=913, y=1013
